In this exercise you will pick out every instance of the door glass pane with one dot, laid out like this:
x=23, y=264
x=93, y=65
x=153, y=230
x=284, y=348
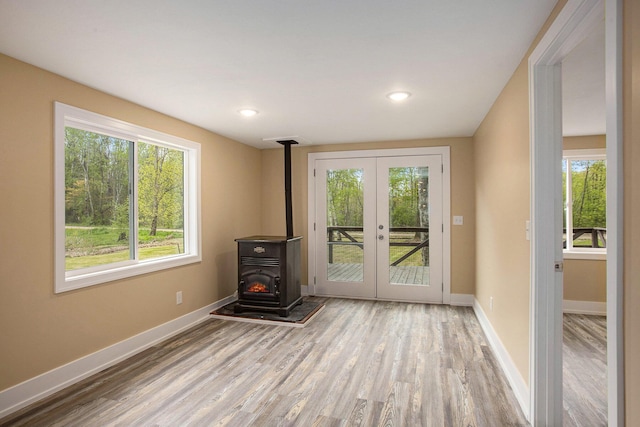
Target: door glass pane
x=409, y=225
x=345, y=245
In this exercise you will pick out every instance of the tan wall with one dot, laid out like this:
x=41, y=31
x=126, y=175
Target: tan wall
x=40, y=330
x=584, y=142
x=502, y=209
x=585, y=280
x=462, y=197
x=501, y=146
x=632, y=209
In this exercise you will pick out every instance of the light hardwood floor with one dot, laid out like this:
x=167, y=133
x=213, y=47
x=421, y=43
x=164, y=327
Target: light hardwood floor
x=357, y=363
x=584, y=370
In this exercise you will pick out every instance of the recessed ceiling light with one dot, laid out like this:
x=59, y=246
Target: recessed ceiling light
x=398, y=96
x=247, y=112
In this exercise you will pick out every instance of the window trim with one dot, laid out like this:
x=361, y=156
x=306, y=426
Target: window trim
x=65, y=115
x=582, y=154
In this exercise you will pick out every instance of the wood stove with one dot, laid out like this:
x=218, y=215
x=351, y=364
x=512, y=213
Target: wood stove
x=268, y=274
x=269, y=266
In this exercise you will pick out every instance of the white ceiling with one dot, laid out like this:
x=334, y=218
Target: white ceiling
x=583, y=87
x=319, y=69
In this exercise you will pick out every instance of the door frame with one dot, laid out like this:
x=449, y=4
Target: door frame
x=545, y=376
x=395, y=152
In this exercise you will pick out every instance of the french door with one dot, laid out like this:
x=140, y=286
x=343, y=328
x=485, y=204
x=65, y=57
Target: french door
x=379, y=227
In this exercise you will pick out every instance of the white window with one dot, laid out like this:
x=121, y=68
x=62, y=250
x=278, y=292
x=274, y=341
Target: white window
x=584, y=174
x=127, y=199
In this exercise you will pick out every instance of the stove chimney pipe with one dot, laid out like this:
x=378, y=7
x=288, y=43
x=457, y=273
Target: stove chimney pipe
x=287, y=184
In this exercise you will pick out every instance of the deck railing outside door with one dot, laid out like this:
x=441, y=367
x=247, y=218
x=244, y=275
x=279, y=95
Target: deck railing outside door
x=336, y=235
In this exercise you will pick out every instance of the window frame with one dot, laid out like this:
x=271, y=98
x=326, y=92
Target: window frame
x=66, y=115
x=571, y=252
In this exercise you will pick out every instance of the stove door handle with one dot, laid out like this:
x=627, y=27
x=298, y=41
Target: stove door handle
x=277, y=285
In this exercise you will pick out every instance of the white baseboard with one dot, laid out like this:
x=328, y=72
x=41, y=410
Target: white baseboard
x=37, y=388
x=517, y=383
x=465, y=300
x=584, y=307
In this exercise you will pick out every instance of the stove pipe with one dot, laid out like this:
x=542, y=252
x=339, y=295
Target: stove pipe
x=287, y=184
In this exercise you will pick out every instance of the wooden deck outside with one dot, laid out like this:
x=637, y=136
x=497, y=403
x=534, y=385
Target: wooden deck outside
x=405, y=275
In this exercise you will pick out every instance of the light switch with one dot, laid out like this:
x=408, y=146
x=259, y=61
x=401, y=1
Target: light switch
x=458, y=220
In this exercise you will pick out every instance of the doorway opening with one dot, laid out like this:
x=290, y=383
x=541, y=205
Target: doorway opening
x=574, y=22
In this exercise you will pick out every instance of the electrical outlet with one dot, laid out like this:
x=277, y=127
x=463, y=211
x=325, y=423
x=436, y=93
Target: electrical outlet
x=458, y=220
x=490, y=303
x=179, y=297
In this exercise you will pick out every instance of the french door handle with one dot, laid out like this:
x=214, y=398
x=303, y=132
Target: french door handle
x=380, y=237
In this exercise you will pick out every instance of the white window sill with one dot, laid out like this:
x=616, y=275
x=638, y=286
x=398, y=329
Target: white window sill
x=83, y=280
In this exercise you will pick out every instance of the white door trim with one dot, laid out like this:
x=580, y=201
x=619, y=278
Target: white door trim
x=446, y=204
x=569, y=28
x=615, y=212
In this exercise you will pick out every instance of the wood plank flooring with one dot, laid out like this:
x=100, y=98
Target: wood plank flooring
x=358, y=363
x=585, y=370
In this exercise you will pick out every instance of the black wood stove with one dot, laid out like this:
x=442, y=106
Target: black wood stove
x=269, y=266
x=268, y=274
